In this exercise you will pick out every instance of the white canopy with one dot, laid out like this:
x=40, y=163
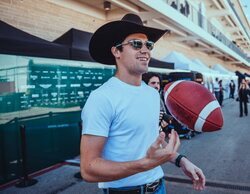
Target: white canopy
x=179, y=60
x=182, y=62
x=222, y=69
x=203, y=68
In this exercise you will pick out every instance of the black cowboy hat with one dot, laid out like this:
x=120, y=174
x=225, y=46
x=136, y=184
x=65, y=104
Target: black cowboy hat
x=114, y=33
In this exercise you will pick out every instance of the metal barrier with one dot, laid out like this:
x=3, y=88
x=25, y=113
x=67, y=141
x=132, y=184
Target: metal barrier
x=78, y=174
x=25, y=180
x=49, y=139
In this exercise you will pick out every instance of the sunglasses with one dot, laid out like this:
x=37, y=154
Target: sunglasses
x=138, y=44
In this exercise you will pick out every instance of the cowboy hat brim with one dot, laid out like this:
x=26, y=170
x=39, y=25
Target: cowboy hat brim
x=114, y=33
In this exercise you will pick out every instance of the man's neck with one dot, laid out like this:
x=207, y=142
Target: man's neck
x=134, y=80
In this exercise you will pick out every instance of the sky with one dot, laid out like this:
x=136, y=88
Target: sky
x=246, y=7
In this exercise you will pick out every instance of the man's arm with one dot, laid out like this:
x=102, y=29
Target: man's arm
x=96, y=169
x=193, y=172
x=190, y=170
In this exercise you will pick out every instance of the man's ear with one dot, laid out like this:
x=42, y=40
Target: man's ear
x=116, y=52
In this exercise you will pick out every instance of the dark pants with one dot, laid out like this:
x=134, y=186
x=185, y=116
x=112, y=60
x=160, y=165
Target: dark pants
x=221, y=98
x=243, y=104
x=231, y=94
x=217, y=96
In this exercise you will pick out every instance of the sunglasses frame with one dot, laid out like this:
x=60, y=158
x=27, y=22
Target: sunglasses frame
x=134, y=43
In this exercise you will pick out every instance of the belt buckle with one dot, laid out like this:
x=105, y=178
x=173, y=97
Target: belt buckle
x=151, y=187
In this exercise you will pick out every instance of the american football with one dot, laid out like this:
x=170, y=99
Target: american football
x=193, y=105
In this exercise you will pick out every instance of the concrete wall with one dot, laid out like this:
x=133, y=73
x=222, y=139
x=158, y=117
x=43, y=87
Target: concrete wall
x=44, y=19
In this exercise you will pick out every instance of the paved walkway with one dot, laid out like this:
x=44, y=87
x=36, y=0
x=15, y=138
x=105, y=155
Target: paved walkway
x=223, y=156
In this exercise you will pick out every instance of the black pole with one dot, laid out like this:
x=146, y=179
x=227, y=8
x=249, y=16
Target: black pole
x=24, y=181
x=78, y=174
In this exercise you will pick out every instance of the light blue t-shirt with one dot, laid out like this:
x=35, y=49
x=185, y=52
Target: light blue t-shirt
x=128, y=116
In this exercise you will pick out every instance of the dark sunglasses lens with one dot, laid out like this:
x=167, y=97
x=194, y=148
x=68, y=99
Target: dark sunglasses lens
x=149, y=45
x=137, y=44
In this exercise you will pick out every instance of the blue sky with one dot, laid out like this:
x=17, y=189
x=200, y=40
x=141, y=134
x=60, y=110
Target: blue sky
x=246, y=7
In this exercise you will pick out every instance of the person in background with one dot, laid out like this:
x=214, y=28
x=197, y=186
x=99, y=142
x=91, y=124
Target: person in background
x=232, y=89
x=248, y=83
x=154, y=80
x=182, y=9
x=167, y=122
x=217, y=89
x=221, y=93
x=187, y=8
x=121, y=147
x=174, y=5
x=244, y=92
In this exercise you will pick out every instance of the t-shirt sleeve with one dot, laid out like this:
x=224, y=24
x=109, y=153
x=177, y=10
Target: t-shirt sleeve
x=97, y=115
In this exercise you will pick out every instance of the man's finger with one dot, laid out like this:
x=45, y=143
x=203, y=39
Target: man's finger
x=172, y=138
x=177, y=142
x=158, y=141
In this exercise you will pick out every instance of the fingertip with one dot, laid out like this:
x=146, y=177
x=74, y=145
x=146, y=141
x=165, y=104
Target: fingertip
x=162, y=134
x=195, y=177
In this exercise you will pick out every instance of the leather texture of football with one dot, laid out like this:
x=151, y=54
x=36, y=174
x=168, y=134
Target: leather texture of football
x=193, y=105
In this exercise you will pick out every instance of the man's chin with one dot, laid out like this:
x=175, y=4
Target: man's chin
x=145, y=67
x=144, y=70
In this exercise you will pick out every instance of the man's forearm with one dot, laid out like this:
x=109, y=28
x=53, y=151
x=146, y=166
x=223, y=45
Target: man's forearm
x=100, y=170
x=94, y=168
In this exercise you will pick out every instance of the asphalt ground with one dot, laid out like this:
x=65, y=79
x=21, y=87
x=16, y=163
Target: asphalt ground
x=223, y=156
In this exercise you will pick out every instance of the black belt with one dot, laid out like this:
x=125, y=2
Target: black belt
x=147, y=188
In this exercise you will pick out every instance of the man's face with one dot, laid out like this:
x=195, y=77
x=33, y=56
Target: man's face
x=135, y=61
x=155, y=83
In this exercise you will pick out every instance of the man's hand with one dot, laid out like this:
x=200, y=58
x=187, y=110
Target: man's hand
x=161, y=151
x=194, y=173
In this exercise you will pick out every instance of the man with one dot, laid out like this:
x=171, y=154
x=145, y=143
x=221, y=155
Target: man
x=221, y=93
x=217, y=89
x=167, y=122
x=154, y=80
x=121, y=147
x=243, y=97
x=232, y=89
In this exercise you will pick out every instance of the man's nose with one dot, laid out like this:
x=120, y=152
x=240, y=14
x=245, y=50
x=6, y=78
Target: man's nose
x=144, y=48
x=156, y=86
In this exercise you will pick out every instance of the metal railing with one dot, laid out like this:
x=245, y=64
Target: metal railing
x=236, y=14
x=198, y=18
x=55, y=134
